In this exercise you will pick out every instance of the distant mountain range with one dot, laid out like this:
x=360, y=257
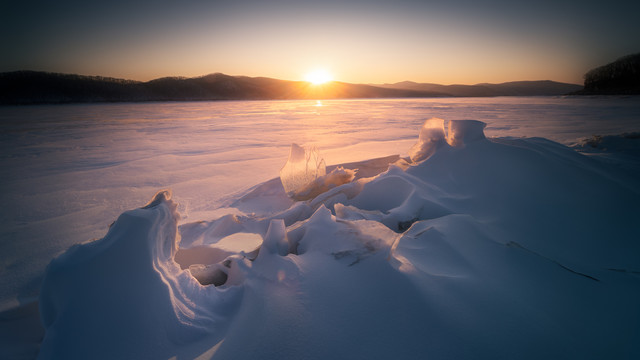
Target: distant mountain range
x=515, y=88
x=31, y=87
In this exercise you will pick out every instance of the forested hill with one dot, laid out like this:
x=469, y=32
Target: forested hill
x=621, y=77
x=31, y=87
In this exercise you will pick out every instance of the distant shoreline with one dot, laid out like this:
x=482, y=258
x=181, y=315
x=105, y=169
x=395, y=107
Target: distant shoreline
x=33, y=88
x=619, y=78
x=141, y=102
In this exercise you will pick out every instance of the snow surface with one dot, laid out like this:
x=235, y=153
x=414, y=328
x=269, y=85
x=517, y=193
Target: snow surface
x=502, y=247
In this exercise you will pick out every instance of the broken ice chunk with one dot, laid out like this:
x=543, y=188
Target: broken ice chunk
x=324, y=183
x=302, y=168
x=304, y=176
x=463, y=132
x=275, y=241
x=431, y=138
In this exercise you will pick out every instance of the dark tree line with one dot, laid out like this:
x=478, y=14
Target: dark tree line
x=619, y=77
x=31, y=87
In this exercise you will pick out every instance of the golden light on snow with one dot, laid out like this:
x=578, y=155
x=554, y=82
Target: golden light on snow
x=318, y=76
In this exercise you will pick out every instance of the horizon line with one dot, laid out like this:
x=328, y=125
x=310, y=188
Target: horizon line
x=180, y=77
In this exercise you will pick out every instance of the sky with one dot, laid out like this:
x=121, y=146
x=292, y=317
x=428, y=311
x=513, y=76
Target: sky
x=445, y=42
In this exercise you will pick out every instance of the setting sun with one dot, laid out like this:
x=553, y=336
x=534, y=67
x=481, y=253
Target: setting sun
x=319, y=76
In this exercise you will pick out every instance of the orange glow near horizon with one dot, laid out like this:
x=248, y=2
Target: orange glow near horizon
x=318, y=76
x=381, y=43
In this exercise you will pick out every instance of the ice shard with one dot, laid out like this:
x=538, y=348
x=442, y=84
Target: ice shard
x=463, y=132
x=303, y=167
x=431, y=138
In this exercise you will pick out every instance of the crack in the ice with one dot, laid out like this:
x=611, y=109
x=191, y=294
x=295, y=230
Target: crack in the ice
x=515, y=244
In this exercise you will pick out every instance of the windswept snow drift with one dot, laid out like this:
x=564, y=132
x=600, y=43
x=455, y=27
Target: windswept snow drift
x=124, y=296
x=472, y=248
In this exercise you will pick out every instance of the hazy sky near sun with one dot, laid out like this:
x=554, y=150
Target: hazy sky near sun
x=455, y=41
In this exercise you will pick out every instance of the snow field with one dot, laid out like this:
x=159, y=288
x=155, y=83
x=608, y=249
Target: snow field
x=471, y=247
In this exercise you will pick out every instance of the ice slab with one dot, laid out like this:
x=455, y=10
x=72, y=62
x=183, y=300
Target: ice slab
x=303, y=167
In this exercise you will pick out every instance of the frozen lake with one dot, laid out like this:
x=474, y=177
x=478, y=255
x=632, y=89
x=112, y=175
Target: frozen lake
x=70, y=170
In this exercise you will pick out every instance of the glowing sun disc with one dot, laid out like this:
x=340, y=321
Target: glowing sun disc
x=317, y=77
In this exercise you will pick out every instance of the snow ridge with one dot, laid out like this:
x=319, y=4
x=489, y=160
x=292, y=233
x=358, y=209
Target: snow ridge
x=471, y=247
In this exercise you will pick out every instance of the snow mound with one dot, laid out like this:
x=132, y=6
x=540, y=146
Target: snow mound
x=432, y=136
x=477, y=248
x=621, y=150
x=625, y=143
x=124, y=297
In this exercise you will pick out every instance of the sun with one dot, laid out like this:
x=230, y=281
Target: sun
x=319, y=76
